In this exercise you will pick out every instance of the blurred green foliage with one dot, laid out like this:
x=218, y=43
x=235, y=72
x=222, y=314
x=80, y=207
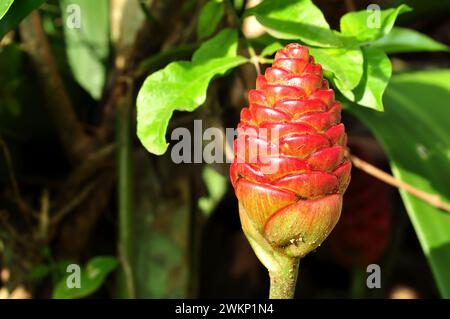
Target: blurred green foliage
x=87, y=44
x=414, y=132
x=18, y=11
x=91, y=278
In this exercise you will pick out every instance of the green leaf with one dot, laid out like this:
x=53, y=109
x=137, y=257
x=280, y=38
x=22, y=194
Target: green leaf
x=87, y=45
x=377, y=72
x=414, y=132
x=209, y=17
x=271, y=49
x=371, y=24
x=407, y=40
x=11, y=104
x=161, y=247
x=239, y=5
x=39, y=272
x=161, y=59
x=92, y=278
x=223, y=45
x=216, y=185
x=4, y=7
x=12, y=58
x=182, y=86
x=17, y=11
x=11, y=78
x=295, y=19
x=346, y=64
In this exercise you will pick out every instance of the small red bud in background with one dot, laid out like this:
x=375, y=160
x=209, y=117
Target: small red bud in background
x=364, y=230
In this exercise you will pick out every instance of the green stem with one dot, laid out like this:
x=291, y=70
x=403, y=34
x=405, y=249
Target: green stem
x=254, y=58
x=283, y=270
x=358, y=289
x=284, y=280
x=125, y=195
x=233, y=14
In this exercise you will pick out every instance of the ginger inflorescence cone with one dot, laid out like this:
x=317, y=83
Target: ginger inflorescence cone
x=289, y=170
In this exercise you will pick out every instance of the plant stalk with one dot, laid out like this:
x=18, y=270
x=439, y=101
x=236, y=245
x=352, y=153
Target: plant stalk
x=283, y=270
x=125, y=196
x=358, y=284
x=284, y=280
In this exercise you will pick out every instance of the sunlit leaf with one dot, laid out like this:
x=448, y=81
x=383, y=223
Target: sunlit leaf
x=295, y=19
x=377, y=72
x=407, y=40
x=4, y=7
x=371, y=24
x=345, y=64
x=271, y=49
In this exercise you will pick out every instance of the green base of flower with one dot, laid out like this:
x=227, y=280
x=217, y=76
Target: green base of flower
x=282, y=269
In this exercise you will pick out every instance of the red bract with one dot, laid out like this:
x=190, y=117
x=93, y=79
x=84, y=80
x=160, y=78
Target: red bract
x=290, y=171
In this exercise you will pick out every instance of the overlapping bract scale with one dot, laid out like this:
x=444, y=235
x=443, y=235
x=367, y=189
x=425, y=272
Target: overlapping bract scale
x=290, y=170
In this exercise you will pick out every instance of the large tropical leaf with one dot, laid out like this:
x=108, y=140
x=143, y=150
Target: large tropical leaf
x=346, y=64
x=407, y=40
x=182, y=86
x=414, y=130
x=377, y=72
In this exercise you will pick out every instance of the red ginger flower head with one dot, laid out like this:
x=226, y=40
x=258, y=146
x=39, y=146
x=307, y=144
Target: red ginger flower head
x=289, y=171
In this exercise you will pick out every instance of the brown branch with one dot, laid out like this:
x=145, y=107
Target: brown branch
x=74, y=140
x=350, y=5
x=74, y=203
x=431, y=199
x=17, y=236
x=82, y=220
x=23, y=206
x=44, y=214
x=148, y=40
x=153, y=36
x=90, y=166
x=82, y=182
